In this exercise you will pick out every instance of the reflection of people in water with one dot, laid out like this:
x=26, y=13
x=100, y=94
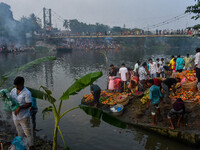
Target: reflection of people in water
x=95, y=122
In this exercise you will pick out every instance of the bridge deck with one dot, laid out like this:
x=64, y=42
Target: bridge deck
x=125, y=36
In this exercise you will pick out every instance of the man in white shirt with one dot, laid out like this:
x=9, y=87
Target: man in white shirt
x=123, y=71
x=152, y=69
x=136, y=67
x=21, y=116
x=143, y=73
x=197, y=66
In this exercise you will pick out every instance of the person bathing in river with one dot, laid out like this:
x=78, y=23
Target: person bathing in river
x=96, y=92
x=154, y=100
x=21, y=116
x=179, y=109
x=152, y=68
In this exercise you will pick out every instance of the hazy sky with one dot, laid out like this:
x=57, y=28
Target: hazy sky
x=132, y=13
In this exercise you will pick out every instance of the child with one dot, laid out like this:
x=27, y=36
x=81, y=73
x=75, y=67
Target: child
x=33, y=112
x=154, y=100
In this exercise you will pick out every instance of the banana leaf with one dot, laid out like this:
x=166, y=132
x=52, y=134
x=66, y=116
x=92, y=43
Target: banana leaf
x=41, y=95
x=80, y=84
x=26, y=66
x=106, y=117
x=46, y=111
x=48, y=92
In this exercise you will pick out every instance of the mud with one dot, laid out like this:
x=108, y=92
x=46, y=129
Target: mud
x=136, y=114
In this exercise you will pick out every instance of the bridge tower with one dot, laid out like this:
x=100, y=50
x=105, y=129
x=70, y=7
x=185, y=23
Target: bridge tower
x=47, y=20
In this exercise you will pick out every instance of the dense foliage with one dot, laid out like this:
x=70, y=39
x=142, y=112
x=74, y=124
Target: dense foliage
x=80, y=27
x=195, y=9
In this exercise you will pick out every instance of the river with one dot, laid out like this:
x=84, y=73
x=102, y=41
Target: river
x=82, y=132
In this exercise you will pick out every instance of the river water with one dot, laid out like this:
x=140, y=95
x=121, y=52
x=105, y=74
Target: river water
x=83, y=132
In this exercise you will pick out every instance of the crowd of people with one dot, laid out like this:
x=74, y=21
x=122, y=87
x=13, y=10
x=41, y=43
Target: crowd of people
x=4, y=48
x=142, y=77
x=91, y=44
x=157, y=76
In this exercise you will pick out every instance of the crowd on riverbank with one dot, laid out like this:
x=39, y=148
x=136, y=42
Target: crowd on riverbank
x=91, y=44
x=160, y=81
x=4, y=48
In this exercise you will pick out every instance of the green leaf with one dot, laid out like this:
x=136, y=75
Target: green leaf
x=26, y=66
x=106, y=117
x=46, y=111
x=41, y=95
x=49, y=92
x=80, y=84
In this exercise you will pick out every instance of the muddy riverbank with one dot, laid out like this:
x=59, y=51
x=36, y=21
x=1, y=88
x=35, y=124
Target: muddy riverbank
x=136, y=114
x=8, y=133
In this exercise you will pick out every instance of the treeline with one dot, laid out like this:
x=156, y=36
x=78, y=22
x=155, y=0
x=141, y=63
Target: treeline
x=13, y=30
x=80, y=27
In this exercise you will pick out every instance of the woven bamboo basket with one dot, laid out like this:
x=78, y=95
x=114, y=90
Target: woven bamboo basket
x=187, y=85
x=124, y=98
x=124, y=103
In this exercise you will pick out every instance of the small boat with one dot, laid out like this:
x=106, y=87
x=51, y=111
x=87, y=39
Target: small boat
x=63, y=48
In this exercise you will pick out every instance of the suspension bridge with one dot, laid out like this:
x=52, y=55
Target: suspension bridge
x=47, y=23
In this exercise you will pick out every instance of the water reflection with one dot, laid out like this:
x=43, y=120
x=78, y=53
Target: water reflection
x=95, y=122
x=82, y=131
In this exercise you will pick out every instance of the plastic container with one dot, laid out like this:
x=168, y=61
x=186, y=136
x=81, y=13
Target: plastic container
x=117, y=110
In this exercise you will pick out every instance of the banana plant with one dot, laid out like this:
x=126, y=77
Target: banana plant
x=24, y=67
x=77, y=86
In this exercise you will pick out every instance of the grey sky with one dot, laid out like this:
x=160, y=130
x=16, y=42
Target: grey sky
x=132, y=13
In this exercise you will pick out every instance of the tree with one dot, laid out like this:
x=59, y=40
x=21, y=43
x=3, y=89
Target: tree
x=195, y=9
